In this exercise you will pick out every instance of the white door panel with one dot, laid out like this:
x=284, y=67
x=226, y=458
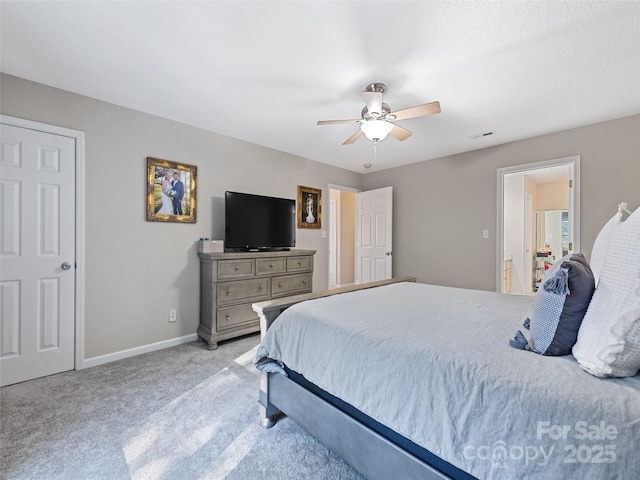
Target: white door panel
x=382, y=269
x=37, y=215
x=365, y=269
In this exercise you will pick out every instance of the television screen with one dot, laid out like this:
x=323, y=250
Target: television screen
x=256, y=222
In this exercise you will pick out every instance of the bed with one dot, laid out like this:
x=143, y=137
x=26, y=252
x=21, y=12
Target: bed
x=408, y=380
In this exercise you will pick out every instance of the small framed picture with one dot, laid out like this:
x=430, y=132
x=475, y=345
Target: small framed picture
x=171, y=191
x=309, y=207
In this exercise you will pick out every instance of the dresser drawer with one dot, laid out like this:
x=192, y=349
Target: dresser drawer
x=289, y=284
x=295, y=264
x=230, y=317
x=240, y=268
x=251, y=290
x=265, y=266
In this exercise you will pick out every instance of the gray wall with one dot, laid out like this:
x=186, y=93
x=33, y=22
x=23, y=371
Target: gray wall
x=442, y=206
x=137, y=270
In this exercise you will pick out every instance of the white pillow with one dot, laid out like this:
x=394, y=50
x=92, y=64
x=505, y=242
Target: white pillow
x=601, y=245
x=608, y=342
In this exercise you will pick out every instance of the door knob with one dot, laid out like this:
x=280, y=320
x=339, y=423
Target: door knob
x=66, y=266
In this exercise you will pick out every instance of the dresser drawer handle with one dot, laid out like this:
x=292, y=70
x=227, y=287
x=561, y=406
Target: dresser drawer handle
x=304, y=282
x=279, y=285
x=237, y=268
x=299, y=263
x=271, y=265
x=228, y=316
x=228, y=292
x=260, y=288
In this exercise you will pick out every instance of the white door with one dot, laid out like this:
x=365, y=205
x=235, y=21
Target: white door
x=37, y=254
x=528, y=243
x=374, y=215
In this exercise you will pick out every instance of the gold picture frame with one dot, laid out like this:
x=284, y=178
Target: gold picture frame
x=309, y=207
x=171, y=191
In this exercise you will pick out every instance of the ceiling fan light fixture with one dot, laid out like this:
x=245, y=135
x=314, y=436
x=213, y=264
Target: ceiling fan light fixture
x=377, y=120
x=376, y=130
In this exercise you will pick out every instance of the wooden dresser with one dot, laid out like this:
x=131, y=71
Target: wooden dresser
x=231, y=282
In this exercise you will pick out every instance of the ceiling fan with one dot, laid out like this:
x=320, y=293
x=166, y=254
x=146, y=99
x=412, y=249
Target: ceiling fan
x=377, y=118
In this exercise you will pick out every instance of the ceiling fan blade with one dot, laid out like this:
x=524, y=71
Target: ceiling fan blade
x=353, y=138
x=400, y=133
x=419, y=111
x=373, y=101
x=333, y=122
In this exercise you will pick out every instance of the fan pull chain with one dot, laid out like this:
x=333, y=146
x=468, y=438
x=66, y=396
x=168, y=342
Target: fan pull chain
x=375, y=151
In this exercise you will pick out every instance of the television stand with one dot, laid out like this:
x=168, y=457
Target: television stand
x=230, y=282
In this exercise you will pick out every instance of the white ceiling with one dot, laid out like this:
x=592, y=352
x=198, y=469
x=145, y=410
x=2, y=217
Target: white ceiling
x=266, y=71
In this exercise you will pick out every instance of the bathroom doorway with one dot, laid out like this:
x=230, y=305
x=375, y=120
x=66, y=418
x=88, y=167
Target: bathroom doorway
x=538, y=221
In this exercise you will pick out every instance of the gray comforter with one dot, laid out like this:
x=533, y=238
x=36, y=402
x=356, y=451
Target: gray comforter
x=434, y=364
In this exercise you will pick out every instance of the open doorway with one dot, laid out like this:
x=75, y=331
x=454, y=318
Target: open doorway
x=342, y=236
x=538, y=221
x=360, y=235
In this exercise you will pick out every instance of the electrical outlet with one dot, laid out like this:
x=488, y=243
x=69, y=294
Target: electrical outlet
x=485, y=234
x=173, y=315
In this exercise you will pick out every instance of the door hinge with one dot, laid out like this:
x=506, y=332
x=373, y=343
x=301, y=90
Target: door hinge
x=571, y=183
x=570, y=246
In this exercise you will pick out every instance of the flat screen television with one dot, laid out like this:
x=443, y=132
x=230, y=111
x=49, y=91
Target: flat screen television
x=257, y=222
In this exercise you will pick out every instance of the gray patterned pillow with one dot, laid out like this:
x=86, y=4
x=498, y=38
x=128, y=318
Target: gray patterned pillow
x=559, y=307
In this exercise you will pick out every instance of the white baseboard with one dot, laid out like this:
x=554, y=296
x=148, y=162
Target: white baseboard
x=132, y=352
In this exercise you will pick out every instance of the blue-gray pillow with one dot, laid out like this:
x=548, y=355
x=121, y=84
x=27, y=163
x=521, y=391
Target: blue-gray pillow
x=559, y=307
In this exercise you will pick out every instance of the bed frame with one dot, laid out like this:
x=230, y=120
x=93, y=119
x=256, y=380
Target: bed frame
x=369, y=453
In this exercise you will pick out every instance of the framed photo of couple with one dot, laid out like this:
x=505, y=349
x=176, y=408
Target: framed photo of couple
x=171, y=191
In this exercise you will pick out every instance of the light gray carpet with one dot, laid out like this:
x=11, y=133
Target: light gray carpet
x=180, y=413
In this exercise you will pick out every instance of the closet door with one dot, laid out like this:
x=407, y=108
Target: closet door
x=37, y=254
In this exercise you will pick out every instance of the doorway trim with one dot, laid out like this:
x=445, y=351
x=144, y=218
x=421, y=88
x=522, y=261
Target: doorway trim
x=79, y=138
x=574, y=203
x=332, y=186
